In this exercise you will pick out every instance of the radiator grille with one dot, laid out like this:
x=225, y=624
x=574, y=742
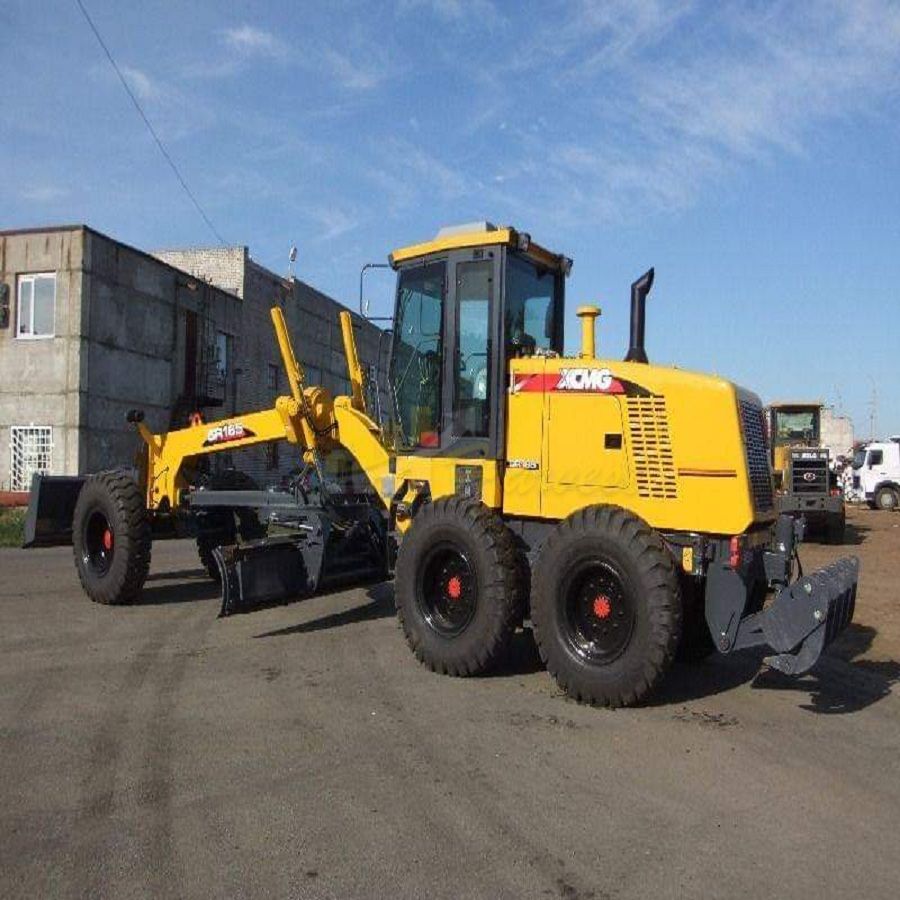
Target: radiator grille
x=809, y=473
x=651, y=445
x=758, y=470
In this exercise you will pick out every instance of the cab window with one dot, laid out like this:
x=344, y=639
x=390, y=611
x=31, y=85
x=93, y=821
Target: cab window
x=532, y=312
x=876, y=457
x=415, y=372
x=472, y=388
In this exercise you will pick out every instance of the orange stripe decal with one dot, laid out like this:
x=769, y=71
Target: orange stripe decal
x=707, y=473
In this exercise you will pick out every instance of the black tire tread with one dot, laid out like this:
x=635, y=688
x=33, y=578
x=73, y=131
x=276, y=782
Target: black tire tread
x=662, y=597
x=887, y=489
x=135, y=542
x=503, y=591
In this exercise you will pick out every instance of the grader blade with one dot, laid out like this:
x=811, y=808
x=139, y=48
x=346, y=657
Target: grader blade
x=805, y=617
x=320, y=549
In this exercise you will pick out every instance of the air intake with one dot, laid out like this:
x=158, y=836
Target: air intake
x=651, y=448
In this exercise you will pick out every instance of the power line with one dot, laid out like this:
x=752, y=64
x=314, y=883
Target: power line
x=150, y=128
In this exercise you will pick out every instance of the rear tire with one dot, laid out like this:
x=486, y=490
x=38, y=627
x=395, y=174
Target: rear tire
x=458, y=586
x=835, y=528
x=606, y=606
x=111, y=538
x=887, y=498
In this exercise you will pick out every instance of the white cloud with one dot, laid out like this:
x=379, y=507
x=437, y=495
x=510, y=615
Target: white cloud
x=333, y=222
x=355, y=74
x=174, y=113
x=44, y=193
x=474, y=11
x=248, y=40
x=143, y=86
x=653, y=102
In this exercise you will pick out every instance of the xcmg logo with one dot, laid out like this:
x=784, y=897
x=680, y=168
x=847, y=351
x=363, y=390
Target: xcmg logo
x=224, y=434
x=575, y=380
x=597, y=380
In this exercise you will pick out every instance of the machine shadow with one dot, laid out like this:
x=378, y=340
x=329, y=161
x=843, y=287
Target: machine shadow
x=841, y=683
x=698, y=680
x=855, y=534
x=838, y=684
x=521, y=657
x=193, y=585
x=380, y=606
x=197, y=574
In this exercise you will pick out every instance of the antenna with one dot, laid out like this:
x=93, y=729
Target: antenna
x=292, y=258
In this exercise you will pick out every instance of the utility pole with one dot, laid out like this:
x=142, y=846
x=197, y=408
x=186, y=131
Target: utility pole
x=873, y=410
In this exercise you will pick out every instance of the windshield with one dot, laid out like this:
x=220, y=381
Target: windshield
x=796, y=425
x=532, y=299
x=859, y=459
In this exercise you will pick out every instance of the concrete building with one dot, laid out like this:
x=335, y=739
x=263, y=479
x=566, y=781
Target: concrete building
x=836, y=432
x=90, y=328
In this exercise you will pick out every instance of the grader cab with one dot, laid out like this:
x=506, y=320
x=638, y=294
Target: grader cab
x=624, y=510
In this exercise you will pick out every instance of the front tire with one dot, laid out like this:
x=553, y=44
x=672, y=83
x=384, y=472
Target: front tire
x=111, y=538
x=606, y=606
x=458, y=586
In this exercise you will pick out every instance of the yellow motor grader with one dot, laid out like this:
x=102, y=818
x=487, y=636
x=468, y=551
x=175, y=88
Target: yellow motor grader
x=624, y=509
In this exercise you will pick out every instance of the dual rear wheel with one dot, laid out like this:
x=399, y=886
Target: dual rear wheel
x=605, y=600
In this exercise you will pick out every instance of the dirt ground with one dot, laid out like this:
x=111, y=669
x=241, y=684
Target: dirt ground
x=156, y=751
x=874, y=637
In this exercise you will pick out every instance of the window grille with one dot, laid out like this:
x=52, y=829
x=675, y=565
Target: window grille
x=31, y=450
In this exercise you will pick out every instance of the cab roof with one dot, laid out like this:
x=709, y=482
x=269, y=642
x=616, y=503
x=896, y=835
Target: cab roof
x=480, y=234
x=796, y=404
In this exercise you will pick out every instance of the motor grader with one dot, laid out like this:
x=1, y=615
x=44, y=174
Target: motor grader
x=624, y=509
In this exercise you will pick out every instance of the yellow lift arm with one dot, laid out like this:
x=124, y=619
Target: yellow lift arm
x=309, y=418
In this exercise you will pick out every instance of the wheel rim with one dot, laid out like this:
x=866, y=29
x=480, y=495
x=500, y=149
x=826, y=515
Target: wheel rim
x=598, y=613
x=98, y=542
x=888, y=500
x=447, y=590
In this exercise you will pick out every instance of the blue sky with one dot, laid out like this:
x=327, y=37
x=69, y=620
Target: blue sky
x=749, y=151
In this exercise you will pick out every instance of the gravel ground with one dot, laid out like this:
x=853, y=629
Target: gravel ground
x=156, y=751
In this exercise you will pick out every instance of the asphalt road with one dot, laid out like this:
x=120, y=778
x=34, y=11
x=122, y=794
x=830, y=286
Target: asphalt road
x=301, y=751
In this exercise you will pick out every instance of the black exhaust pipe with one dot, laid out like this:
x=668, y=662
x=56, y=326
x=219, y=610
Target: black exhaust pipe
x=639, y=291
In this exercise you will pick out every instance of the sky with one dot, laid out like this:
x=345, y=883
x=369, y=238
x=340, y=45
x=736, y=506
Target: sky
x=749, y=151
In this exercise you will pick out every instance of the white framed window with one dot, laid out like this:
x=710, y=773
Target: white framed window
x=31, y=450
x=36, y=310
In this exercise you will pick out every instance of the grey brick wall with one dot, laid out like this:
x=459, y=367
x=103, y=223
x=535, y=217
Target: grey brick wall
x=221, y=266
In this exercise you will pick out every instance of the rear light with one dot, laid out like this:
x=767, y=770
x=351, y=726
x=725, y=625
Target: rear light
x=735, y=551
x=835, y=492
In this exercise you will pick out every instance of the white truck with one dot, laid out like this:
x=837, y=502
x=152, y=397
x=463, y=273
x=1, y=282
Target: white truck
x=876, y=473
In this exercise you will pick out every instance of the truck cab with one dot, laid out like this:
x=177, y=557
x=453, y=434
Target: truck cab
x=876, y=473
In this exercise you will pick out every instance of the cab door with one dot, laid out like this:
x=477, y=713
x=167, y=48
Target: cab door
x=472, y=376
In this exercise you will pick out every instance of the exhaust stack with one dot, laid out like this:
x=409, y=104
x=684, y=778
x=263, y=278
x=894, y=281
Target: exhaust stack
x=639, y=291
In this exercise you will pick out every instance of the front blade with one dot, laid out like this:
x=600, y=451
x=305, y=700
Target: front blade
x=809, y=614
